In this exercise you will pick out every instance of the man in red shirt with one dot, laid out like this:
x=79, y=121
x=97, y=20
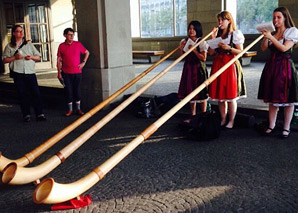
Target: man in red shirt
x=69, y=60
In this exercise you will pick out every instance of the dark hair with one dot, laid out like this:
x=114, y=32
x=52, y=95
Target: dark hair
x=13, y=42
x=197, y=27
x=288, y=19
x=228, y=16
x=67, y=30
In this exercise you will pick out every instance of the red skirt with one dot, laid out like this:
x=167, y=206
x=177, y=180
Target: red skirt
x=224, y=87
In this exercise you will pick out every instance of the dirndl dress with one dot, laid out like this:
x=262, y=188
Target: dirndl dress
x=279, y=78
x=193, y=75
x=230, y=84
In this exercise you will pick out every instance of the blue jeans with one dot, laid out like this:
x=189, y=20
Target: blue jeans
x=28, y=92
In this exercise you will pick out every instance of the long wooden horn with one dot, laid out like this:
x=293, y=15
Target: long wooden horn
x=31, y=156
x=49, y=192
x=16, y=175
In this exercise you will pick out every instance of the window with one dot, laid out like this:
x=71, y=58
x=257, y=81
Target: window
x=253, y=12
x=38, y=29
x=158, y=18
x=35, y=26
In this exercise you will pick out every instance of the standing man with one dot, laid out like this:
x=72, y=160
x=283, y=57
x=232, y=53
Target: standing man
x=21, y=56
x=69, y=61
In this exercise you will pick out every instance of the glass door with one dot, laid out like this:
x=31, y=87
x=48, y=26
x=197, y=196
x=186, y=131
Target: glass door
x=39, y=31
x=33, y=17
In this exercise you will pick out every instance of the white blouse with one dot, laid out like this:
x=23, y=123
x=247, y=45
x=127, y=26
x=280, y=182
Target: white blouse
x=238, y=38
x=290, y=34
x=203, y=46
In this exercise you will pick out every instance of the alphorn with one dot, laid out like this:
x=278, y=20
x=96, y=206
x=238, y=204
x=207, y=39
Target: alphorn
x=50, y=192
x=31, y=156
x=17, y=175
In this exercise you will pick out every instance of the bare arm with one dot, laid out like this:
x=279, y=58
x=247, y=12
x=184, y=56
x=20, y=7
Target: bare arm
x=235, y=51
x=33, y=57
x=59, y=67
x=181, y=46
x=86, y=56
x=9, y=59
x=264, y=44
x=281, y=47
x=201, y=56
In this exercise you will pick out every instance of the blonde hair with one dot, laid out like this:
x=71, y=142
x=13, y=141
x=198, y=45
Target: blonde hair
x=228, y=16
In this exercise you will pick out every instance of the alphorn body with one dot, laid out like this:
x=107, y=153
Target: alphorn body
x=49, y=192
x=31, y=156
x=17, y=175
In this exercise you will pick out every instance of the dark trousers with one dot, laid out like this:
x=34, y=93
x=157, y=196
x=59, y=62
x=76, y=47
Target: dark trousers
x=73, y=86
x=28, y=92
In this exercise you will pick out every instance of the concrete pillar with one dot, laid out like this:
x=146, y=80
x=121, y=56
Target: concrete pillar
x=104, y=29
x=205, y=12
x=3, y=38
x=293, y=8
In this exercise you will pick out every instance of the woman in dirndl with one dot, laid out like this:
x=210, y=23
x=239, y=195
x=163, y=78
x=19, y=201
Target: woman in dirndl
x=278, y=83
x=229, y=86
x=194, y=70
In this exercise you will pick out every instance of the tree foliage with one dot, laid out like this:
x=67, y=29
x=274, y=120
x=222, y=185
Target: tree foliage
x=252, y=12
x=157, y=18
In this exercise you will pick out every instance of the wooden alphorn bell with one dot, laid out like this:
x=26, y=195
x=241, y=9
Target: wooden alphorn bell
x=17, y=175
x=31, y=156
x=50, y=192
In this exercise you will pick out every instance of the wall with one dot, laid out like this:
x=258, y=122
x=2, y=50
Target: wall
x=292, y=6
x=205, y=12
x=3, y=37
x=108, y=38
x=201, y=10
x=61, y=17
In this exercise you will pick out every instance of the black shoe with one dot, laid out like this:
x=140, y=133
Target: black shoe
x=285, y=135
x=41, y=117
x=27, y=118
x=272, y=130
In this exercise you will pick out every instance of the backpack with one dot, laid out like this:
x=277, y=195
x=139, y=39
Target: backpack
x=204, y=126
x=147, y=108
x=167, y=102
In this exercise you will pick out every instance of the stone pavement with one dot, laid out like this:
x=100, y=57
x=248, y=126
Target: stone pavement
x=240, y=171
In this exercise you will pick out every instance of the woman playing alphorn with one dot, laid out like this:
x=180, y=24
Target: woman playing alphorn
x=229, y=86
x=278, y=83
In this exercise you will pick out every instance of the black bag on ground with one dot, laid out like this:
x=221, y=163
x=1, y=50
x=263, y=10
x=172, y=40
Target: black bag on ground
x=147, y=108
x=204, y=126
x=261, y=127
x=167, y=102
x=244, y=120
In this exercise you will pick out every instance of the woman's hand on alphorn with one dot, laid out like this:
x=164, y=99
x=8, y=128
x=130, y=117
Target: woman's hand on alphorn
x=267, y=34
x=224, y=46
x=182, y=44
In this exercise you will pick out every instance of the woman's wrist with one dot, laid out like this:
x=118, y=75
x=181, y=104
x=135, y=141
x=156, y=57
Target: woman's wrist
x=230, y=49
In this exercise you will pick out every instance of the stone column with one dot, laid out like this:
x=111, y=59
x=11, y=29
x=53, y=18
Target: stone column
x=104, y=29
x=293, y=8
x=205, y=12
